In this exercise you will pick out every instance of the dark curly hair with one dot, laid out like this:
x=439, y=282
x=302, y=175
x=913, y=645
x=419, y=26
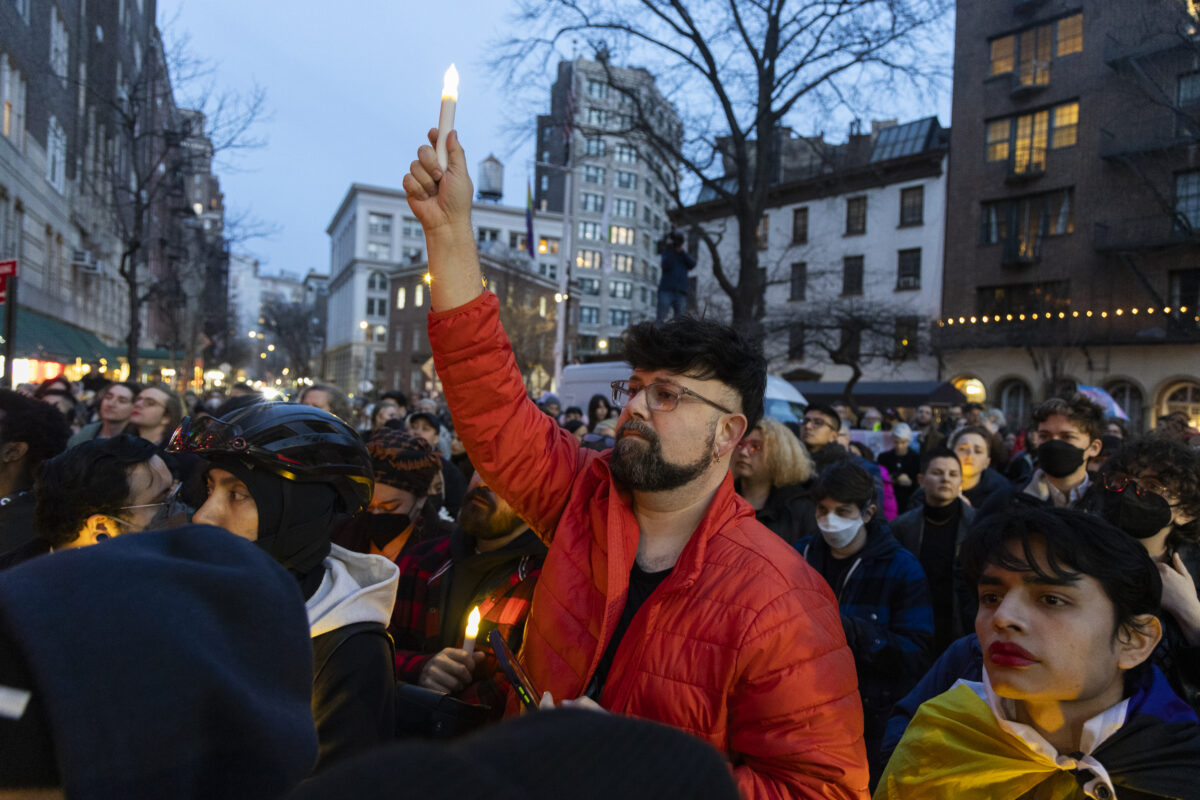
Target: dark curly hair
x=703, y=350
x=90, y=478
x=1175, y=464
x=37, y=424
x=1079, y=409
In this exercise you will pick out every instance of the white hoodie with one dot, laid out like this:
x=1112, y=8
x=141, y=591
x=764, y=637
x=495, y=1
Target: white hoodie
x=356, y=588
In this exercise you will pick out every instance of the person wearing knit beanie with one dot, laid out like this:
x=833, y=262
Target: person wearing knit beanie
x=405, y=466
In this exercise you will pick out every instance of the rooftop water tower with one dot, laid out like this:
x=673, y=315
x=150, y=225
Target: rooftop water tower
x=491, y=179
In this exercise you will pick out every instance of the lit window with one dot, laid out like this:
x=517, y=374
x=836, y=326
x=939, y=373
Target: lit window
x=400, y=298
x=1002, y=55
x=1070, y=34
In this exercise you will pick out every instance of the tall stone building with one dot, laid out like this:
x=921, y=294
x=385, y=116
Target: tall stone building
x=1072, y=246
x=618, y=202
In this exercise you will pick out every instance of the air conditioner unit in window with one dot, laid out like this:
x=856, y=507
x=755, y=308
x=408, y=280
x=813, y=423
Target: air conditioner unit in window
x=86, y=261
x=908, y=282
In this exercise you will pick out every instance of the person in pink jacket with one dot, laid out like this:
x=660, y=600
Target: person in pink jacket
x=662, y=597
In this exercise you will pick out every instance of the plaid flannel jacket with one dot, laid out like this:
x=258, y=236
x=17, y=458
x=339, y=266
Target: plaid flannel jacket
x=425, y=575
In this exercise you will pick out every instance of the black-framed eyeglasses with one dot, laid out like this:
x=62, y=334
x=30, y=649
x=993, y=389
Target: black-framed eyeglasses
x=1119, y=482
x=659, y=396
x=817, y=422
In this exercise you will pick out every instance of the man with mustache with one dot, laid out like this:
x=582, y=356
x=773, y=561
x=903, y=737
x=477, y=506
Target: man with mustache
x=662, y=597
x=491, y=561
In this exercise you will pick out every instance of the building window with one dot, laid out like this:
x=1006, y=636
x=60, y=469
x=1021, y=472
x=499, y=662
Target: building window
x=908, y=269
x=1185, y=289
x=622, y=290
x=593, y=174
x=796, y=342
x=589, y=315
x=622, y=262
x=516, y=240
x=545, y=183
x=905, y=339
x=799, y=282
x=589, y=230
x=1129, y=397
x=411, y=229
x=587, y=343
x=380, y=251
x=912, y=206
x=401, y=296
x=588, y=259
x=620, y=234
x=419, y=295
x=625, y=153
x=412, y=255
x=592, y=202
x=852, y=275
x=376, y=281
x=1029, y=52
x=626, y=180
x=624, y=208
x=379, y=224
x=800, y=225
x=597, y=117
x=589, y=286
x=59, y=46
x=1028, y=136
x=856, y=215
x=593, y=146
x=547, y=245
x=1187, y=197
x=1023, y=299
x=1016, y=401
x=486, y=235
x=763, y=233
x=619, y=317
x=1026, y=220
x=400, y=338
x=597, y=89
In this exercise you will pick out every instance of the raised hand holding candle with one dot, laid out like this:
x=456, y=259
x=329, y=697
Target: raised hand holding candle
x=446, y=118
x=472, y=631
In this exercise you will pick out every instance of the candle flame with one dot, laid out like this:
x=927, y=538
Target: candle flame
x=473, y=623
x=450, y=84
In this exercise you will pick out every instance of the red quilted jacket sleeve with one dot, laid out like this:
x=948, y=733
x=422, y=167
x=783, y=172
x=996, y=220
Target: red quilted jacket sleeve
x=798, y=711
x=523, y=454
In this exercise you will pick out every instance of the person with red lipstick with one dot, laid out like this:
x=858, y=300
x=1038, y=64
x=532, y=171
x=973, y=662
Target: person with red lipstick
x=1069, y=705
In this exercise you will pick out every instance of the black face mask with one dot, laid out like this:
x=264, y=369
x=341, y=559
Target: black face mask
x=383, y=528
x=1140, y=517
x=1058, y=459
x=436, y=501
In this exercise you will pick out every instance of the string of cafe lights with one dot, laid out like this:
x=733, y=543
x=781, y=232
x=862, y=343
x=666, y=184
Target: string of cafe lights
x=1036, y=316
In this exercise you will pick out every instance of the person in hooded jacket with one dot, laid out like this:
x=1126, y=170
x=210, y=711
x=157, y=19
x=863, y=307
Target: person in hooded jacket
x=881, y=591
x=281, y=475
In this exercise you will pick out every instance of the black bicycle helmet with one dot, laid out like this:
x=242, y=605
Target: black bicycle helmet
x=296, y=442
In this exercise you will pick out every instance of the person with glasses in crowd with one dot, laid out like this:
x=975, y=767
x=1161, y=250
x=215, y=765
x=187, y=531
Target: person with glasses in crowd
x=773, y=472
x=661, y=597
x=98, y=490
x=156, y=412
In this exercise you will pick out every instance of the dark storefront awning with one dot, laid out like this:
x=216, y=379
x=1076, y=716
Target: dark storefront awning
x=48, y=339
x=883, y=394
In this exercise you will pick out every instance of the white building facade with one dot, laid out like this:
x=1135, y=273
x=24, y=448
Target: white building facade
x=851, y=246
x=374, y=234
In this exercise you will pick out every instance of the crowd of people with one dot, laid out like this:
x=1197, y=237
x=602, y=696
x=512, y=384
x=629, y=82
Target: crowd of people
x=663, y=594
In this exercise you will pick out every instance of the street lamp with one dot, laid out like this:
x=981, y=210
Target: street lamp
x=253, y=334
x=602, y=344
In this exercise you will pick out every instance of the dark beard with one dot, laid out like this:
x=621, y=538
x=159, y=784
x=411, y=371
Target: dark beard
x=484, y=521
x=641, y=466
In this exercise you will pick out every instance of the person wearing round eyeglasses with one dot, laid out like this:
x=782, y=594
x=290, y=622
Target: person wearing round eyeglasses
x=773, y=472
x=662, y=597
x=98, y=490
x=1150, y=489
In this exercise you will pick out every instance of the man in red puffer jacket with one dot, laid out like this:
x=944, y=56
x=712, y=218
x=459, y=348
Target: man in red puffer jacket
x=661, y=597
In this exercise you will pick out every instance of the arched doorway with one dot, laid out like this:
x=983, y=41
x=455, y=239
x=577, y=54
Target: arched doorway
x=1183, y=397
x=1129, y=397
x=1016, y=401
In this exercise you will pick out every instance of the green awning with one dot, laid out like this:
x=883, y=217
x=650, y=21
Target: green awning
x=48, y=339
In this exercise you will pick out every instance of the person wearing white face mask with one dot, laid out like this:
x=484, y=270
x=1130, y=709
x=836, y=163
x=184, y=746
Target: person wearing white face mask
x=881, y=590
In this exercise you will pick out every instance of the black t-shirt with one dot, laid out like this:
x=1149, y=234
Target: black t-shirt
x=937, y=559
x=836, y=571
x=641, y=585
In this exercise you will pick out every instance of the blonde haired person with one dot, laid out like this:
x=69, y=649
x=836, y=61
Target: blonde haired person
x=773, y=472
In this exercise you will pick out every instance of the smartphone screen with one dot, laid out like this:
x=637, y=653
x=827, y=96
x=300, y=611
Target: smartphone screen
x=517, y=675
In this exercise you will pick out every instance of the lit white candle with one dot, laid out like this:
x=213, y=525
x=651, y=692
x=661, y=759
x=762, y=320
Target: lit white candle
x=446, y=118
x=472, y=631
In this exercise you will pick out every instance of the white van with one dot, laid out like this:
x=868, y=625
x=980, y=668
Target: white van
x=580, y=381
